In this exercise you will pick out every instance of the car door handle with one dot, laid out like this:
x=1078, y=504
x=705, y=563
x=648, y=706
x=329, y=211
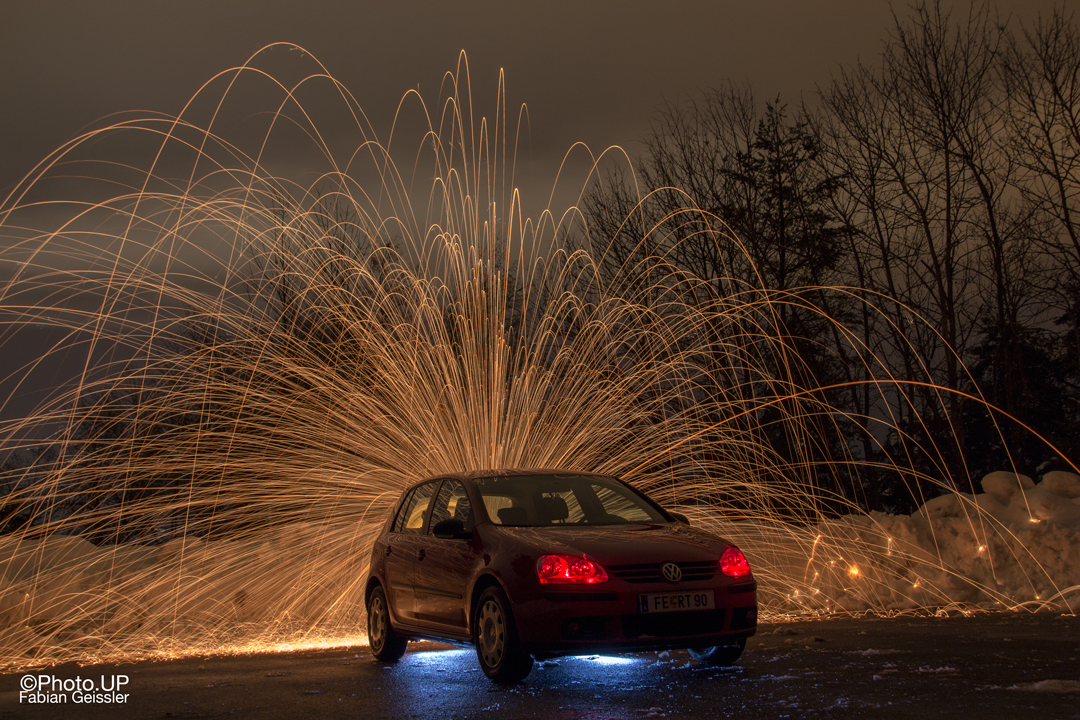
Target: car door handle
x=421, y=554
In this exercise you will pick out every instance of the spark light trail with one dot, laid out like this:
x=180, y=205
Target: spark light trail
x=262, y=364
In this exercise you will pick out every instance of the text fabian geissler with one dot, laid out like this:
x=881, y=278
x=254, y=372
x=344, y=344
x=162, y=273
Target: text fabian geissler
x=42, y=688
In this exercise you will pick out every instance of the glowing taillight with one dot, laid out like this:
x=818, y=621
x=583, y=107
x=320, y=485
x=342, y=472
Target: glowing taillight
x=733, y=563
x=569, y=569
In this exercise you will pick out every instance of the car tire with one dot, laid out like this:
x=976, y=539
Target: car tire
x=495, y=634
x=386, y=645
x=718, y=655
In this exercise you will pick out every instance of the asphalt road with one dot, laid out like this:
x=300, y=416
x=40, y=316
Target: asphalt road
x=992, y=666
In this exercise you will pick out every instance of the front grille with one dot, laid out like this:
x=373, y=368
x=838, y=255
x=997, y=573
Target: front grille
x=676, y=624
x=650, y=572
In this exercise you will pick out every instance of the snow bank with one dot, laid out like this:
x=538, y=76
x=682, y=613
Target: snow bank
x=1017, y=544
x=62, y=597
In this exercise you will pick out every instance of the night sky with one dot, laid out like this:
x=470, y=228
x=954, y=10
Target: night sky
x=589, y=70
x=593, y=71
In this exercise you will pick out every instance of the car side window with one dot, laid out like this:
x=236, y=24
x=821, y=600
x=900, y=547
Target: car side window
x=399, y=519
x=453, y=502
x=411, y=518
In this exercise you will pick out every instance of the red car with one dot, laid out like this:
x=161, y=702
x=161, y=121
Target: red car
x=528, y=564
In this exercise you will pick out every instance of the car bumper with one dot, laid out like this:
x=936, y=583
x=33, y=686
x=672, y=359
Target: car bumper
x=567, y=622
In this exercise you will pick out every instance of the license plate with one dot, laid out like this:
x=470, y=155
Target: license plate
x=676, y=601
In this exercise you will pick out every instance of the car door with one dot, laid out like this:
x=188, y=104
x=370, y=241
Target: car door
x=444, y=565
x=401, y=551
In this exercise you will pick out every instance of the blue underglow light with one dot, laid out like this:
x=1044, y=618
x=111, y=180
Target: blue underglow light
x=609, y=659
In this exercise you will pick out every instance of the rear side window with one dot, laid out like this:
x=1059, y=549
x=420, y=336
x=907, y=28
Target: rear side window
x=410, y=519
x=399, y=519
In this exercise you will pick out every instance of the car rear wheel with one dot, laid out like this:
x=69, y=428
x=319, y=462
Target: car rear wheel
x=386, y=645
x=495, y=635
x=718, y=655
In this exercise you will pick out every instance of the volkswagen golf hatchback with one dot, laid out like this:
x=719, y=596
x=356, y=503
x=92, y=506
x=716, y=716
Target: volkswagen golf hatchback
x=526, y=564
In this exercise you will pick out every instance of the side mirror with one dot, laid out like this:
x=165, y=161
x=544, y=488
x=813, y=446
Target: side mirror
x=680, y=517
x=450, y=529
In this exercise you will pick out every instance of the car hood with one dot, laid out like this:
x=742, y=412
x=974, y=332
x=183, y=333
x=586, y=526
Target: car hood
x=623, y=544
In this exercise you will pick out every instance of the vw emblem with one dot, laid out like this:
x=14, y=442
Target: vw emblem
x=671, y=572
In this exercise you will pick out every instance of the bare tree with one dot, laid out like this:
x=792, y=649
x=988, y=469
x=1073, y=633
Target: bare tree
x=1040, y=73
x=941, y=184
x=939, y=227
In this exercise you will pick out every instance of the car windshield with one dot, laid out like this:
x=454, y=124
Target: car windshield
x=553, y=500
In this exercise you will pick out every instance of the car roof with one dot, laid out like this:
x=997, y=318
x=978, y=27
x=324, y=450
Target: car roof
x=504, y=472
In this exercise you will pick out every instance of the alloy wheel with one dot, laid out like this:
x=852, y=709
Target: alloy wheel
x=377, y=622
x=492, y=633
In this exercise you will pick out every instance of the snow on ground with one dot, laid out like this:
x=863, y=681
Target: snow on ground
x=1017, y=544
x=1049, y=686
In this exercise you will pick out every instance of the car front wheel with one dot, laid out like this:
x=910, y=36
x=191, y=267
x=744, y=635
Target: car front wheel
x=386, y=645
x=495, y=635
x=718, y=655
